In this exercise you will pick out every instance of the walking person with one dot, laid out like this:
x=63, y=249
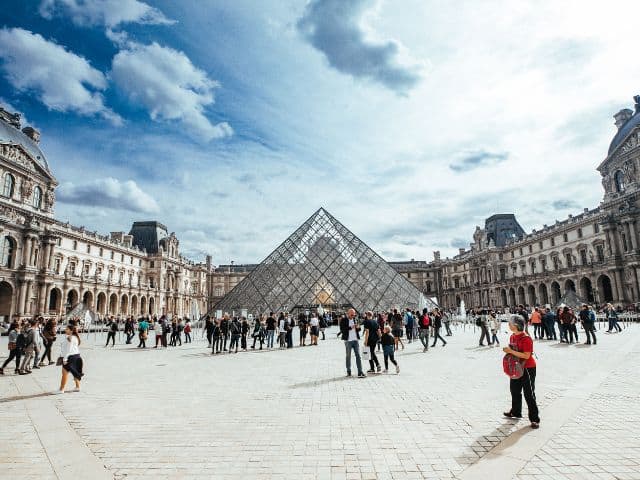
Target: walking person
x=235, y=329
x=536, y=321
x=323, y=325
x=371, y=338
x=424, y=324
x=187, y=332
x=494, y=325
x=397, y=327
x=28, y=347
x=39, y=342
x=128, y=330
x=158, y=330
x=258, y=333
x=271, y=330
x=111, y=335
x=143, y=331
x=216, y=337
x=408, y=324
x=174, y=333
x=49, y=334
x=521, y=346
x=71, y=360
x=314, y=325
x=588, y=320
x=612, y=316
x=549, y=321
x=302, y=327
x=15, y=353
x=481, y=321
x=436, y=318
x=388, y=346
x=566, y=318
x=208, y=326
x=350, y=331
x=224, y=331
x=446, y=319
x=282, y=331
x=289, y=326
x=244, y=331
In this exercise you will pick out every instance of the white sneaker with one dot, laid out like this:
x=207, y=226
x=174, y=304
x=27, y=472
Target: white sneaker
x=77, y=389
x=397, y=368
x=57, y=392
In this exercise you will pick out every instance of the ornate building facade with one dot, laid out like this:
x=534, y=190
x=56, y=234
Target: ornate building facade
x=54, y=268
x=596, y=253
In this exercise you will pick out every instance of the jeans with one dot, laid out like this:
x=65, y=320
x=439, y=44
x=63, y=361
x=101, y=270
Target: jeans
x=494, y=338
x=270, y=337
x=485, y=334
x=130, y=336
x=26, y=361
x=243, y=341
x=564, y=332
x=537, y=331
x=436, y=336
x=424, y=338
x=111, y=336
x=235, y=340
x=47, y=350
x=290, y=338
x=551, y=330
x=355, y=346
x=388, y=355
x=216, y=344
x=573, y=331
x=613, y=323
x=409, y=330
x=590, y=329
x=282, y=339
x=448, y=328
x=373, y=360
x=527, y=385
x=187, y=337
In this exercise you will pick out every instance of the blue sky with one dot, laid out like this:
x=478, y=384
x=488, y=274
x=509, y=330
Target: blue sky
x=232, y=121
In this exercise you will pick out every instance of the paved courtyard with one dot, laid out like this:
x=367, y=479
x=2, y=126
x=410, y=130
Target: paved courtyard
x=181, y=414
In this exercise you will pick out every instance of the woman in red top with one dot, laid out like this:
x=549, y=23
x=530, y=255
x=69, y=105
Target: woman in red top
x=521, y=346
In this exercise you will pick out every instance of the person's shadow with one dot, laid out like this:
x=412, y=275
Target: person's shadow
x=15, y=398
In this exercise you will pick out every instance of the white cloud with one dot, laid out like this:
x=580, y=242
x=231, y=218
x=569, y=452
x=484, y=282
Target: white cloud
x=62, y=80
x=169, y=86
x=110, y=193
x=109, y=13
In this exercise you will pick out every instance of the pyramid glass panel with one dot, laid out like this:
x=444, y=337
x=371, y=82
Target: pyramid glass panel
x=322, y=264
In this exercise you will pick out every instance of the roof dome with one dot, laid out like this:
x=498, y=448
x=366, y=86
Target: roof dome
x=11, y=134
x=625, y=130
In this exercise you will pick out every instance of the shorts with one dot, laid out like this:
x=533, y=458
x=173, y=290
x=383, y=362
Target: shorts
x=397, y=333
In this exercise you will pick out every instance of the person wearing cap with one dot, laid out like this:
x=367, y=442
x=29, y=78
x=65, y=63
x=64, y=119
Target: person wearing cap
x=521, y=346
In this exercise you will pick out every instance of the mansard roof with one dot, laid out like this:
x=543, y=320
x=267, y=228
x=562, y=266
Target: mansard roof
x=147, y=235
x=12, y=135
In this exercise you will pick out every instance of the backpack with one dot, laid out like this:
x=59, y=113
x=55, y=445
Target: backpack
x=21, y=341
x=478, y=321
x=424, y=321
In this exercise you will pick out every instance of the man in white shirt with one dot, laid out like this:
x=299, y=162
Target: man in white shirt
x=350, y=331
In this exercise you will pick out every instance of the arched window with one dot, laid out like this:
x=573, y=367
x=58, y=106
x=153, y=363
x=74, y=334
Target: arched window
x=7, y=249
x=619, y=179
x=9, y=185
x=37, y=198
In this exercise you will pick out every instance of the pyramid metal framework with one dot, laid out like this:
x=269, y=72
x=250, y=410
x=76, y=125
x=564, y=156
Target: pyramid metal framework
x=322, y=264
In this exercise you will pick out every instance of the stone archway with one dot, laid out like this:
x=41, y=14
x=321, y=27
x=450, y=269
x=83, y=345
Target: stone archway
x=124, y=305
x=152, y=305
x=55, y=300
x=6, y=300
x=531, y=292
x=543, y=294
x=503, y=297
x=101, y=304
x=555, y=293
x=134, y=304
x=521, y=297
x=586, y=290
x=143, y=305
x=569, y=286
x=87, y=299
x=113, y=304
x=605, y=288
x=72, y=299
x=512, y=297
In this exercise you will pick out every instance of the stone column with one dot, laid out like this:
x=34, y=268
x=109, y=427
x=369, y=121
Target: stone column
x=618, y=285
x=634, y=234
x=51, y=256
x=42, y=296
x=26, y=251
x=27, y=297
x=21, y=296
x=631, y=236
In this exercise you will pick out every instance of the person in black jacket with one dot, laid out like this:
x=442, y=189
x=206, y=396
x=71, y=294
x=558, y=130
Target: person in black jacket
x=113, y=328
x=208, y=326
x=436, y=318
x=350, y=331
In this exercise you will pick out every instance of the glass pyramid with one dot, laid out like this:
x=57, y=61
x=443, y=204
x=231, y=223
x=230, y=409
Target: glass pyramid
x=322, y=264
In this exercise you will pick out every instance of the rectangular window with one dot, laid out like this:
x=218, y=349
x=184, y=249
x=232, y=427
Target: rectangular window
x=579, y=233
x=624, y=242
x=543, y=264
x=553, y=242
x=151, y=264
x=583, y=257
x=569, y=260
x=600, y=253
x=86, y=268
x=565, y=237
x=122, y=257
x=112, y=255
x=88, y=248
x=596, y=228
x=101, y=251
x=556, y=263
x=530, y=248
x=520, y=251
x=75, y=245
x=503, y=274
x=57, y=266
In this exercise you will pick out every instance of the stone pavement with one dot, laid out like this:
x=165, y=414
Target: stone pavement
x=182, y=413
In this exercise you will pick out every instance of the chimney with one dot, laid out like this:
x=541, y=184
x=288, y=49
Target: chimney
x=637, y=100
x=32, y=133
x=461, y=251
x=209, y=261
x=622, y=116
x=436, y=255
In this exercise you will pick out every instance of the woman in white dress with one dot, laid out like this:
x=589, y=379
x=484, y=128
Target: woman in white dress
x=70, y=357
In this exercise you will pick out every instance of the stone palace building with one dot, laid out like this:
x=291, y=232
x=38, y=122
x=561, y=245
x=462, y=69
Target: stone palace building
x=54, y=268
x=595, y=254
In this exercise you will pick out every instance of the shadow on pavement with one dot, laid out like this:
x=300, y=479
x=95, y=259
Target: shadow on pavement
x=25, y=397
x=316, y=383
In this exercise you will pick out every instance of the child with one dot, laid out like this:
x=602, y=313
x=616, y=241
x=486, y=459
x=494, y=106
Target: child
x=388, y=346
x=494, y=324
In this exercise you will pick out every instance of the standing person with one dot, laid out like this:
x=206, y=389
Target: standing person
x=549, y=320
x=314, y=324
x=494, y=325
x=39, y=342
x=536, y=321
x=244, y=331
x=128, y=330
x=282, y=331
x=350, y=331
x=111, y=335
x=481, y=321
x=28, y=347
x=271, y=329
x=521, y=346
x=588, y=320
x=208, y=326
x=323, y=324
x=235, y=328
x=158, y=330
x=187, y=331
x=224, y=331
x=436, y=319
x=14, y=352
x=424, y=324
x=49, y=334
x=446, y=319
x=573, y=327
x=408, y=324
x=566, y=317
x=216, y=337
x=179, y=332
x=371, y=338
x=302, y=327
x=258, y=333
x=612, y=316
x=143, y=331
x=388, y=346
x=289, y=325
x=71, y=360
x=396, y=327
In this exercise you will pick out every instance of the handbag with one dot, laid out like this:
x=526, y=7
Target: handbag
x=59, y=361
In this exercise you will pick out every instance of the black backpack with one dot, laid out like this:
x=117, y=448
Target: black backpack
x=21, y=341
